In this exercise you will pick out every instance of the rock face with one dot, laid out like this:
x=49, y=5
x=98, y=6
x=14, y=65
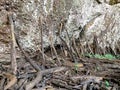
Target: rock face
x=97, y=22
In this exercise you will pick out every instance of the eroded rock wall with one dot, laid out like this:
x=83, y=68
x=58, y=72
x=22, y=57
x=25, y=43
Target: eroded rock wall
x=54, y=17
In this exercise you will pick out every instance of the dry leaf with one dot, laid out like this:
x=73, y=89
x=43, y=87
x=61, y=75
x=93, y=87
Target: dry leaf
x=12, y=78
x=78, y=65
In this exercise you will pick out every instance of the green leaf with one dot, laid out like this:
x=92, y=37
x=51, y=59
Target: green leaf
x=76, y=67
x=89, y=55
x=99, y=56
x=109, y=56
x=98, y=68
x=106, y=56
x=107, y=84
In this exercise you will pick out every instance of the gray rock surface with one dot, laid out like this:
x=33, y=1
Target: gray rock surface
x=55, y=17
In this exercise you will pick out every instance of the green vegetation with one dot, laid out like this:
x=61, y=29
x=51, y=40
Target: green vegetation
x=106, y=56
x=107, y=84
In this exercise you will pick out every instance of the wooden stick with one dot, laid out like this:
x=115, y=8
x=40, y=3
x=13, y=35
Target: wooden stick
x=41, y=36
x=34, y=65
x=53, y=47
x=13, y=42
x=69, y=50
x=13, y=53
x=38, y=78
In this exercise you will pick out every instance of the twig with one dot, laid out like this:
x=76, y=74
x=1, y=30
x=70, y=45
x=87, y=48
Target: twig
x=52, y=46
x=75, y=48
x=38, y=78
x=34, y=65
x=63, y=84
x=45, y=88
x=14, y=37
x=41, y=34
x=21, y=86
x=69, y=50
x=13, y=42
x=31, y=84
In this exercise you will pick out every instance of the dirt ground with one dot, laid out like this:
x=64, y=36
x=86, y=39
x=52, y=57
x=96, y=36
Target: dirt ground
x=60, y=73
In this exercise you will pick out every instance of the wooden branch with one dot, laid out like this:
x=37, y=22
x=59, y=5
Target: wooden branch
x=69, y=50
x=34, y=65
x=45, y=88
x=38, y=78
x=13, y=53
x=76, y=49
x=13, y=43
x=41, y=35
x=31, y=84
x=53, y=47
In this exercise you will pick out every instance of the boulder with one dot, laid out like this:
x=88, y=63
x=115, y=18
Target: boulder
x=96, y=23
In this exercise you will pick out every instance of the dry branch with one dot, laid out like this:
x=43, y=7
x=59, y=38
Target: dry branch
x=13, y=43
x=34, y=65
x=14, y=37
x=38, y=78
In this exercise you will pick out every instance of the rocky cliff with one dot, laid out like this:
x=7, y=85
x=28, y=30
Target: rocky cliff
x=95, y=23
